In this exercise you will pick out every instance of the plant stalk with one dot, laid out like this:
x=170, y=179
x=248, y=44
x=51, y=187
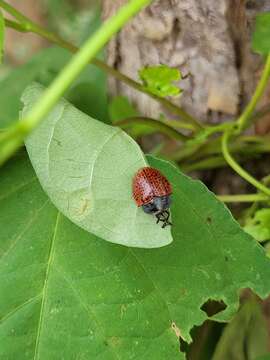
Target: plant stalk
x=57, y=40
x=67, y=75
x=156, y=124
x=237, y=168
x=243, y=198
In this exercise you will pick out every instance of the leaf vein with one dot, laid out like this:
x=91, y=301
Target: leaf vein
x=19, y=236
x=45, y=287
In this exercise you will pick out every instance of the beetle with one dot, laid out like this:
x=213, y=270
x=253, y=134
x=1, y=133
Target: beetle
x=152, y=191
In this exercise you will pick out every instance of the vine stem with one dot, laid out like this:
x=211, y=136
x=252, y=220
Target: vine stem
x=234, y=165
x=67, y=75
x=156, y=124
x=26, y=25
x=243, y=198
x=243, y=121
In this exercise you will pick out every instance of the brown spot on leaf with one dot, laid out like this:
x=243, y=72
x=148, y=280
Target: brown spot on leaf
x=114, y=341
x=176, y=330
x=183, y=292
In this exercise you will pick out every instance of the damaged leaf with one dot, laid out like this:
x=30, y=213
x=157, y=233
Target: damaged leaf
x=159, y=79
x=68, y=294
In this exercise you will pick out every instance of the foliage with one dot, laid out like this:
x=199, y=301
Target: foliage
x=81, y=164
x=258, y=225
x=105, y=298
x=120, y=109
x=87, y=93
x=2, y=30
x=261, y=35
x=158, y=80
x=70, y=288
x=250, y=330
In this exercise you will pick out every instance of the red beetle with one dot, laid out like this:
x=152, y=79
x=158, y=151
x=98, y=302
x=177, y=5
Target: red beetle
x=152, y=191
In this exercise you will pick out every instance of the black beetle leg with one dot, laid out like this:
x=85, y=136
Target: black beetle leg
x=158, y=218
x=163, y=217
x=166, y=220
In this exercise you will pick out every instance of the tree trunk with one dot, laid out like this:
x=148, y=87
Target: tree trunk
x=207, y=40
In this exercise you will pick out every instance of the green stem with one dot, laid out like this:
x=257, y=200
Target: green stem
x=178, y=124
x=234, y=165
x=15, y=25
x=156, y=124
x=244, y=120
x=69, y=73
x=35, y=28
x=243, y=145
x=204, y=164
x=243, y=198
x=15, y=13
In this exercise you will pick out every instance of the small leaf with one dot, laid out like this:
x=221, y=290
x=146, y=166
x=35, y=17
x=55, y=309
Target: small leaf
x=66, y=294
x=87, y=167
x=258, y=226
x=2, y=35
x=261, y=35
x=158, y=80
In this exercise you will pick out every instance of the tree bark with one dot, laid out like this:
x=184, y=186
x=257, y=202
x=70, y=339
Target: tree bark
x=207, y=40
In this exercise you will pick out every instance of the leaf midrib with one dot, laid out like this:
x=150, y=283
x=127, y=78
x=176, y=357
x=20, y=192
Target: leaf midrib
x=45, y=287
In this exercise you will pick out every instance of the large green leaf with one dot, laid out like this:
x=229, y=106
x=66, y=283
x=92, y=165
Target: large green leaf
x=87, y=93
x=87, y=167
x=2, y=30
x=65, y=294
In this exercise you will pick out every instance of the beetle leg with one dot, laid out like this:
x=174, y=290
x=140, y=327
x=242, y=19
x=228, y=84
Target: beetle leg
x=166, y=219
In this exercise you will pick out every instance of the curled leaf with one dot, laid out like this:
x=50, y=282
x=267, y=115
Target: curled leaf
x=86, y=168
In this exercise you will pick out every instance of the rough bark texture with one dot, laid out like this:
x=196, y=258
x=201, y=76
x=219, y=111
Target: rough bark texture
x=208, y=39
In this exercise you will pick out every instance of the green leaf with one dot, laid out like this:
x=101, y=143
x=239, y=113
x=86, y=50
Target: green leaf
x=2, y=35
x=246, y=336
x=258, y=225
x=264, y=357
x=86, y=167
x=158, y=80
x=120, y=109
x=261, y=35
x=88, y=92
x=67, y=294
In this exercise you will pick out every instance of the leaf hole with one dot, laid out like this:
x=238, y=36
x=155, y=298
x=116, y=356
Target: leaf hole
x=212, y=307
